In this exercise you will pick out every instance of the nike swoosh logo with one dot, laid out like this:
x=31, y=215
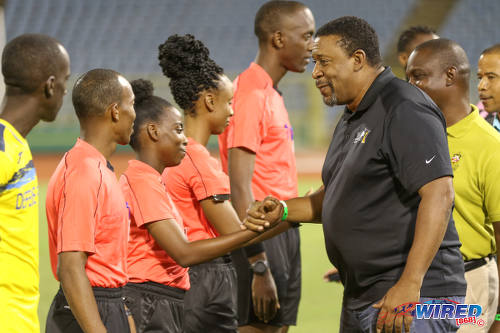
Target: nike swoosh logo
x=429, y=161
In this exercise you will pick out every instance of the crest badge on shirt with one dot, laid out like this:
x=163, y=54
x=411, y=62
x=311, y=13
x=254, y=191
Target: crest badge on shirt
x=455, y=159
x=361, y=136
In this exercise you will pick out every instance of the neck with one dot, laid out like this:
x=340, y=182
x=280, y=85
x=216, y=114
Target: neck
x=21, y=112
x=269, y=61
x=98, y=136
x=148, y=156
x=197, y=128
x=365, y=82
x=456, y=110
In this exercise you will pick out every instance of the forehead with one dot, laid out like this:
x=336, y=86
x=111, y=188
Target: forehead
x=225, y=85
x=422, y=59
x=326, y=46
x=489, y=62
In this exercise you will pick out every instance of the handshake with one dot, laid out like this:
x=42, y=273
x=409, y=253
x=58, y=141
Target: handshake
x=264, y=215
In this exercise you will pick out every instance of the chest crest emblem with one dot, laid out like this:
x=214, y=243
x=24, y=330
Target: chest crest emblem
x=361, y=136
x=455, y=159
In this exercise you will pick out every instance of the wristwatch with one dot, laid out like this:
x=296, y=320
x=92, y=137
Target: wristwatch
x=260, y=267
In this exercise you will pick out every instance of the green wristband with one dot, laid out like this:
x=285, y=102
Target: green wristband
x=285, y=210
x=497, y=317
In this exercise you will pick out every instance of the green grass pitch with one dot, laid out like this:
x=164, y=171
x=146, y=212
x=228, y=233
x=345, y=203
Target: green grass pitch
x=320, y=304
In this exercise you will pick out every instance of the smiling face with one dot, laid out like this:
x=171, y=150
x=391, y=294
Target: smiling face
x=297, y=34
x=333, y=70
x=222, y=109
x=171, y=139
x=488, y=75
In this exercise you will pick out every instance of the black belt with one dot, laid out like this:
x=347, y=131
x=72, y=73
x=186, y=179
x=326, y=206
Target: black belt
x=476, y=263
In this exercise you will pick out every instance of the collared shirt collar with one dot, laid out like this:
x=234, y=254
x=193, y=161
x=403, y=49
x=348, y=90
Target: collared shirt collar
x=142, y=167
x=372, y=93
x=461, y=128
x=264, y=79
x=496, y=123
x=93, y=152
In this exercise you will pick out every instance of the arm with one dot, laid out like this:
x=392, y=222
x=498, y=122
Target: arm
x=170, y=238
x=240, y=167
x=432, y=220
x=302, y=209
x=495, y=328
x=78, y=292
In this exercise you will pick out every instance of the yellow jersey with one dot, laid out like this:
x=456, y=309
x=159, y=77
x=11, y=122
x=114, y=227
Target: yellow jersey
x=475, y=158
x=19, y=277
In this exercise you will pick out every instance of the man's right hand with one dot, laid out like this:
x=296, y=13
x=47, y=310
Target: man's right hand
x=264, y=214
x=265, y=296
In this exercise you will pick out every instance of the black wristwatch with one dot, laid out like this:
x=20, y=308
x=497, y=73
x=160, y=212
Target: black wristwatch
x=260, y=267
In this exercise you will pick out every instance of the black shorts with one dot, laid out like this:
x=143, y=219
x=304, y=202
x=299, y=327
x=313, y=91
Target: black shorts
x=109, y=303
x=210, y=303
x=283, y=255
x=155, y=307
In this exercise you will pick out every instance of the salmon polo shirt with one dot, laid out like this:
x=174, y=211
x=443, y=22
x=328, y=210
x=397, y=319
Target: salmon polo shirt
x=260, y=124
x=198, y=177
x=86, y=211
x=149, y=202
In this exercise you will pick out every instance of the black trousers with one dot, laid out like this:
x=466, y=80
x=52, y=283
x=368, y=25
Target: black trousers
x=109, y=303
x=210, y=303
x=155, y=307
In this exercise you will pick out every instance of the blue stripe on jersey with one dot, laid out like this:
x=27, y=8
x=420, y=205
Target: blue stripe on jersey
x=2, y=141
x=22, y=177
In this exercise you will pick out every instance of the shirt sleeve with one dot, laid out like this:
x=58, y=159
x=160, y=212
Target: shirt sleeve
x=205, y=176
x=416, y=145
x=150, y=202
x=491, y=176
x=248, y=126
x=78, y=207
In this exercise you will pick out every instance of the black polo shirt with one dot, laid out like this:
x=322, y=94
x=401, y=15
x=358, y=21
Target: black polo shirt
x=379, y=157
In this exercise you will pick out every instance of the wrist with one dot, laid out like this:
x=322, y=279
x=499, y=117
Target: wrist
x=284, y=207
x=260, y=267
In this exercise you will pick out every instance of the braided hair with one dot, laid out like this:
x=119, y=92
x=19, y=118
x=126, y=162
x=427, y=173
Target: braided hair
x=148, y=107
x=186, y=62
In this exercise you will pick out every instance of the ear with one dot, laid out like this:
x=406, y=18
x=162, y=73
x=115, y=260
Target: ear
x=403, y=59
x=277, y=40
x=359, y=57
x=209, y=99
x=114, y=112
x=49, y=86
x=152, y=131
x=451, y=76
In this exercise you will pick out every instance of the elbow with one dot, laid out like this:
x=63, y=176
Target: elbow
x=449, y=195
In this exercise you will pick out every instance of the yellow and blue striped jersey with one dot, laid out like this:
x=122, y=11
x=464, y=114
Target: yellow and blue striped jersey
x=19, y=277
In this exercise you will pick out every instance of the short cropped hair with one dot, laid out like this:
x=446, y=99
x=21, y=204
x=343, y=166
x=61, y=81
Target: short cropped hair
x=268, y=17
x=355, y=34
x=492, y=49
x=29, y=60
x=410, y=34
x=449, y=53
x=95, y=90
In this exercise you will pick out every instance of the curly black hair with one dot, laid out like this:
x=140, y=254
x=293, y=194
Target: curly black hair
x=355, y=34
x=186, y=62
x=410, y=34
x=147, y=107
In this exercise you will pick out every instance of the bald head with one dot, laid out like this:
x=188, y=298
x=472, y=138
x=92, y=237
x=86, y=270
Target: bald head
x=29, y=60
x=270, y=17
x=95, y=90
x=448, y=54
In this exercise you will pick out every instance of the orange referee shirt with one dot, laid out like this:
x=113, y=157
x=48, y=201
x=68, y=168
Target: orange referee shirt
x=149, y=202
x=198, y=177
x=260, y=124
x=86, y=211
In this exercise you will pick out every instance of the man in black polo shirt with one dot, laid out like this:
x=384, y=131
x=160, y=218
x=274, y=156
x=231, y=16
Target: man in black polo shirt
x=388, y=195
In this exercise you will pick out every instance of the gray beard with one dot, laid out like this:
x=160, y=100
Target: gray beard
x=330, y=101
